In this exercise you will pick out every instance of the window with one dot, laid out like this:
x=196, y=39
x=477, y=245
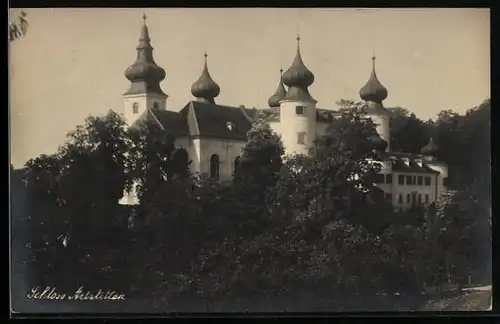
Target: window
x=301, y=138
x=420, y=180
x=214, y=166
x=236, y=163
x=400, y=199
x=300, y=110
x=135, y=108
x=156, y=105
x=379, y=178
x=446, y=182
x=388, y=178
x=409, y=180
x=408, y=198
x=426, y=198
x=419, y=198
x=401, y=179
x=230, y=126
x=427, y=181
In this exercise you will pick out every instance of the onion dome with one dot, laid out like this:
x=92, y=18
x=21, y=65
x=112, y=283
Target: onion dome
x=378, y=142
x=430, y=148
x=205, y=88
x=373, y=90
x=279, y=95
x=298, y=78
x=145, y=74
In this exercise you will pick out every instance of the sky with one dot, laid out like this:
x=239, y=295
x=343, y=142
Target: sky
x=71, y=63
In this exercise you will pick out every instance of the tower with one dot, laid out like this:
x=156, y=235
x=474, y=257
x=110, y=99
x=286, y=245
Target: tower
x=373, y=93
x=205, y=89
x=429, y=152
x=145, y=77
x=279, y=95
x=298, y=108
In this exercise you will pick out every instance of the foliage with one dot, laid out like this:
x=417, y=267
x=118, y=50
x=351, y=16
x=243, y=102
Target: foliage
x=286, y=227
x=18, y=27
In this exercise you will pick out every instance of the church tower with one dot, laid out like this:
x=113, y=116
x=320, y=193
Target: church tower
x=298, y=109
x=373, y=93
x=145, y=77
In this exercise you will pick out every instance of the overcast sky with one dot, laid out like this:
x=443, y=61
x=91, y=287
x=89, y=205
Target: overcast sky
x=71, y=63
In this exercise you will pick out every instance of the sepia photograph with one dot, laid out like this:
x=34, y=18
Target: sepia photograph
x=249, y=160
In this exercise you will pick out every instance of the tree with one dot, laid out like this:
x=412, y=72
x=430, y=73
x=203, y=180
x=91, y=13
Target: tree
x=75, y=193
x=256, y=174
x=18, y=27
x=408, y=133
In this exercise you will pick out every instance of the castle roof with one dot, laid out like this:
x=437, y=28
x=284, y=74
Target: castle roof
x=279, y=94
x=144, y=74
x=205, y=88
x=373, y=90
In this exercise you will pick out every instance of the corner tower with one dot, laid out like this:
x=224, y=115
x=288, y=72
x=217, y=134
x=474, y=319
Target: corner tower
x=373, y=93
x=298, y=108
x=145, y=77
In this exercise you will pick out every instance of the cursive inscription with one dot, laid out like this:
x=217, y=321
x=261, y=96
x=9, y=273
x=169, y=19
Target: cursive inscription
x=51, y=293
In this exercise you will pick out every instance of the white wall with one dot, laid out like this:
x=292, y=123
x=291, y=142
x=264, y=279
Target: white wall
x=292, y=124
x=443, y=173
x=383, y=128
x=227, y=150
x=144, y=101
x=405, y=189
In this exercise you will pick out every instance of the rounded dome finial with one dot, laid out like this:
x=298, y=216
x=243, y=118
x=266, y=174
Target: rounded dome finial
x=373, y=90
x=205, y=87
x=430, y=148
x=279, y=95
x=145, y=68
x=298, y=75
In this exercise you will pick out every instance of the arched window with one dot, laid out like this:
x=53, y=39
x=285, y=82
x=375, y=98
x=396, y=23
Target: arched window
x=135, y=108
x=236, y=163
x=156, y=105
x=408, y=198
x=214, y=166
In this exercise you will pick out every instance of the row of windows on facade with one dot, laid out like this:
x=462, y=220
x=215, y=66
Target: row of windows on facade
x=411, y=180
x=215, y=163
x=410, y=198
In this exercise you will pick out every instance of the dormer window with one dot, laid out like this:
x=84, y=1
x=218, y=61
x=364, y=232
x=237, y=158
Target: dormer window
x=135, y=108
x=300, y=110
x=230, y=126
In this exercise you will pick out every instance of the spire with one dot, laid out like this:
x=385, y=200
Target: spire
x=145, y=75
x=430, y=149
x=298, y=78
x=279, y=95
x=373, y=90
x=205, y=88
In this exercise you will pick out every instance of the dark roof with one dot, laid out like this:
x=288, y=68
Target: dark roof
x=373, y=90
x=279, y=94
x=399, y=164
x=145, y=75
x=170, y=121
x=375, y=108
x=212, y=120
x=205, y=87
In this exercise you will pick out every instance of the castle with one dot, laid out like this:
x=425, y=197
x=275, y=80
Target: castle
x=214, y=135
